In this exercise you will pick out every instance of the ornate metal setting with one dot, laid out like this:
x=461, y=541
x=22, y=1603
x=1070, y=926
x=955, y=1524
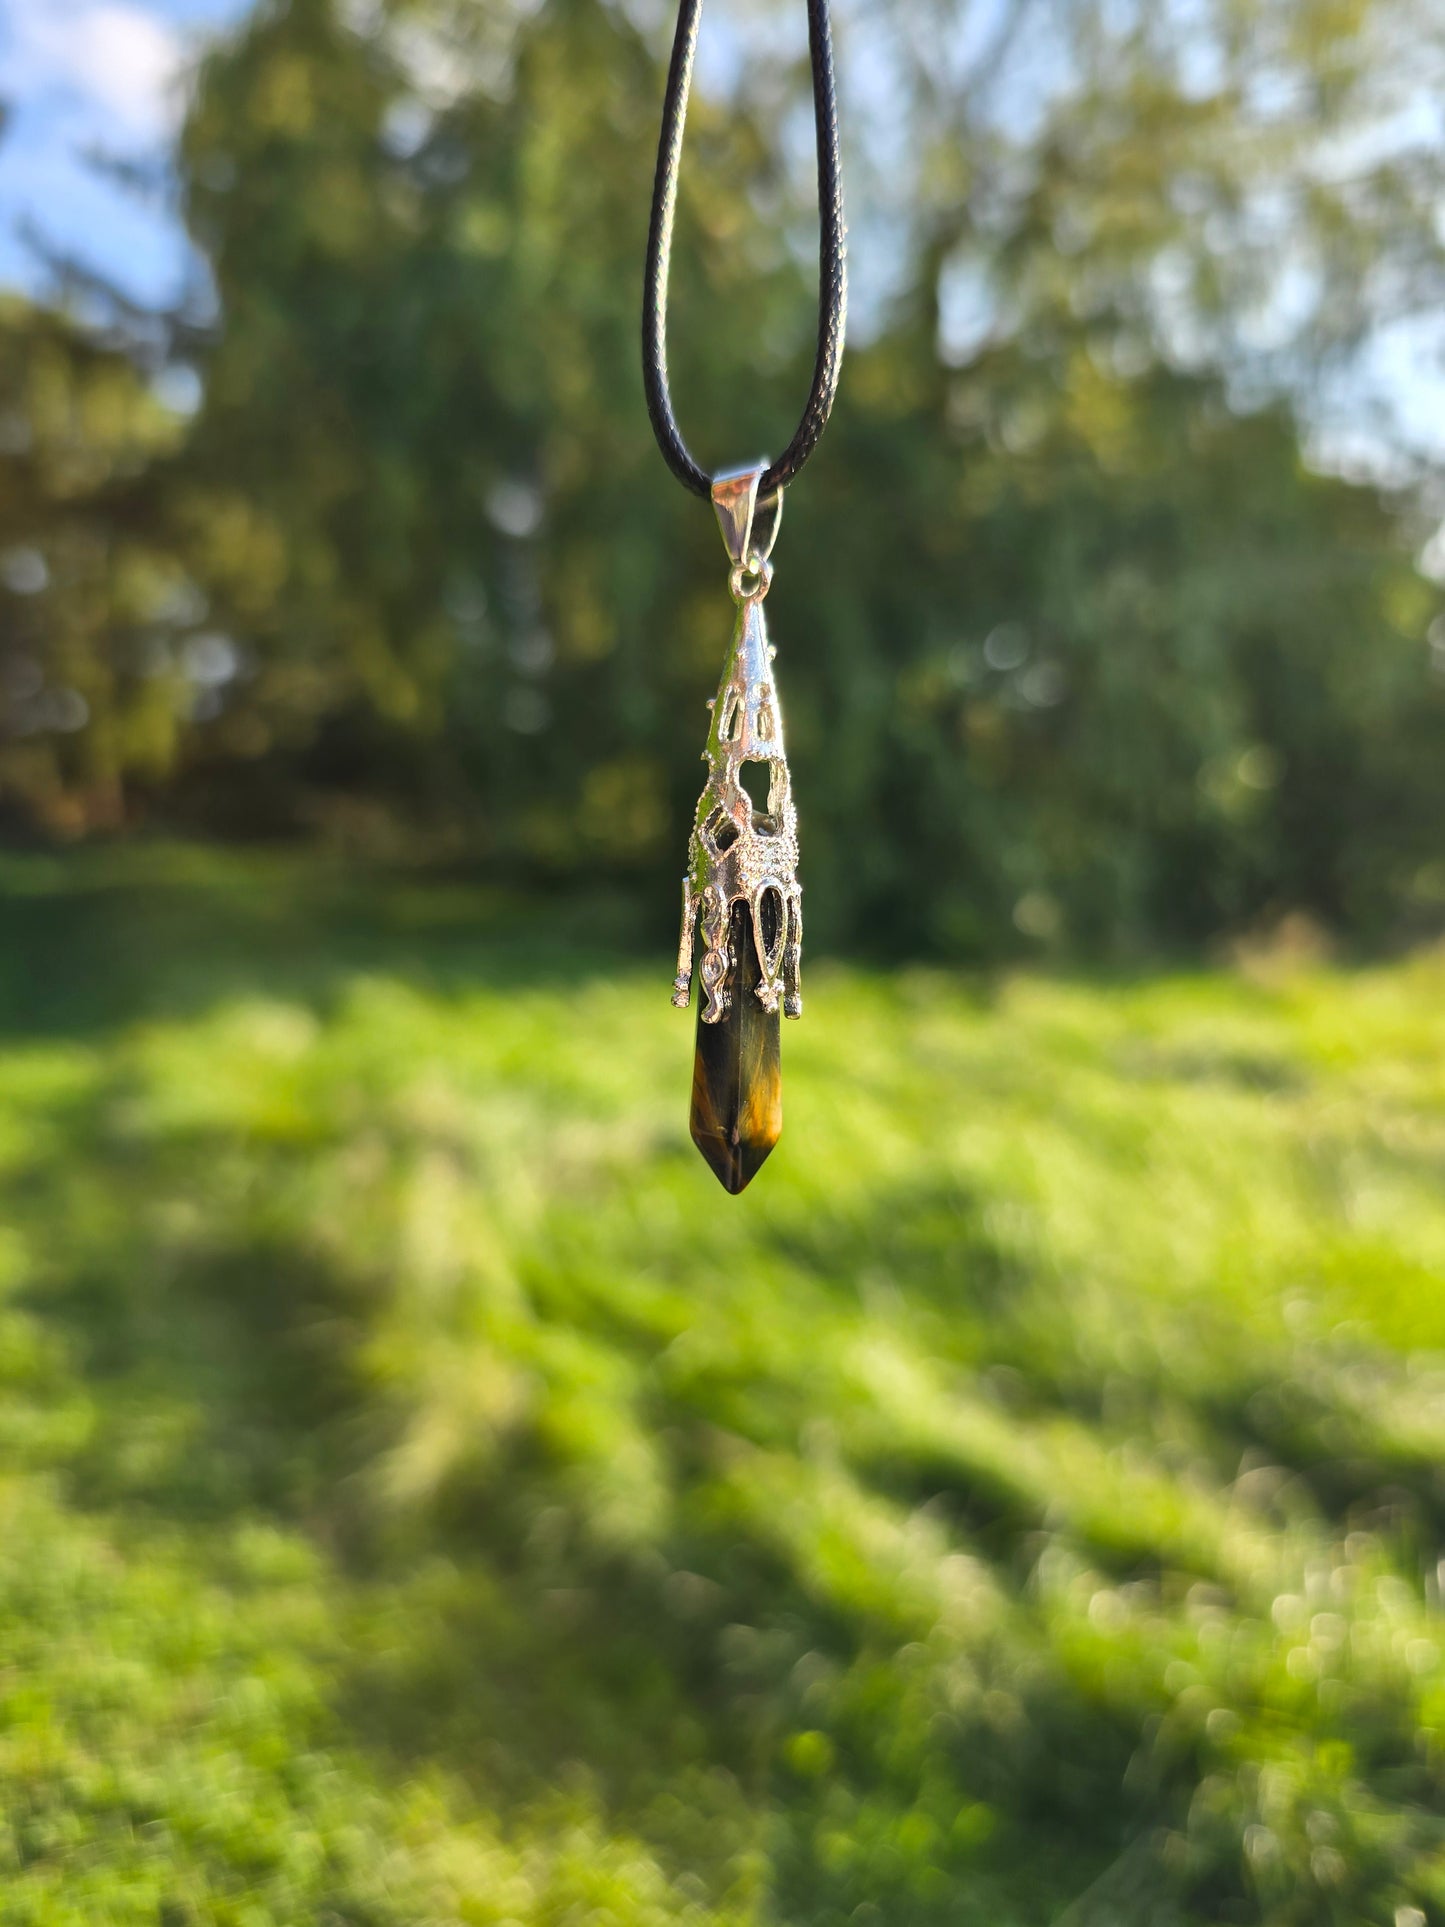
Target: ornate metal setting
x=741, y=851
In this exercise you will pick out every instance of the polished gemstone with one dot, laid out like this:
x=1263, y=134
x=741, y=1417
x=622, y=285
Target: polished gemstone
x=737, y=1073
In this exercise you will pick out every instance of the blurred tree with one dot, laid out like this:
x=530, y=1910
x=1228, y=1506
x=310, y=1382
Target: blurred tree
x=1075, y=646
x=90, y=595
x=1131, y=226
x=421, y=484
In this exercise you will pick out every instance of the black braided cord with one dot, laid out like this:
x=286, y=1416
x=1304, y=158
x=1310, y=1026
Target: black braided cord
x=832, y=258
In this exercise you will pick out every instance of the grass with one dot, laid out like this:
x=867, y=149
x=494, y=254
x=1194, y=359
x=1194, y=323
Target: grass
x=425, y=1497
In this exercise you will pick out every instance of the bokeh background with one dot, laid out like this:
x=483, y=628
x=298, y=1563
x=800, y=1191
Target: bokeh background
x=424, y=1496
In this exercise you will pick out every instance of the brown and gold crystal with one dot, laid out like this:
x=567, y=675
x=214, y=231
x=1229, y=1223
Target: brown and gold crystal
x=737, y=1074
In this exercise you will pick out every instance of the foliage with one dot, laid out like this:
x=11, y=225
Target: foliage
x=1076, y=648
x=90, y=592
x=427, y=1498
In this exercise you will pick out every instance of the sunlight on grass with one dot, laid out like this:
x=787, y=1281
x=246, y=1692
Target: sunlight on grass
x=427, y=1497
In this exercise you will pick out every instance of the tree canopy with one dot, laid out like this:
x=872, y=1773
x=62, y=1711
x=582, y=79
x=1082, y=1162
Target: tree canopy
x=1076, y=645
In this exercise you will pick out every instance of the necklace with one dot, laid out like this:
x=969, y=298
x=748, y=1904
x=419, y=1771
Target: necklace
x=741, y=899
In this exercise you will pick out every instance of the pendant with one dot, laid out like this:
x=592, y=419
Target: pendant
x=741, y=899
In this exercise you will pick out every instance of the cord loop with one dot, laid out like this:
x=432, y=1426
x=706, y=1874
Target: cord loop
x=832, y=258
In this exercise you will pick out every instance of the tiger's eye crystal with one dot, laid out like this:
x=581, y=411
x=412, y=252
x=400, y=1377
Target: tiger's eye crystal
x=737, y=1073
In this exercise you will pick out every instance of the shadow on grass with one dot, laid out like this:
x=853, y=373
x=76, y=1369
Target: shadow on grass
x=711, y=1679
x=100, y=941
x=497, y=1635
x=499, y=1639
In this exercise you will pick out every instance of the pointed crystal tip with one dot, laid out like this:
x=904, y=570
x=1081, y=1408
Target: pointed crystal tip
x=737, y=1073
x=736, y=1148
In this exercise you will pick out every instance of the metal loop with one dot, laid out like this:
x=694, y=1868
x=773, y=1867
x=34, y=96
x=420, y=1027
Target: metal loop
x=735, y=499
x=759, y=569
x=772, y=505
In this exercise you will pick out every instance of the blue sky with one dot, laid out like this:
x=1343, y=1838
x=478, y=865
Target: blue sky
x=78, y=75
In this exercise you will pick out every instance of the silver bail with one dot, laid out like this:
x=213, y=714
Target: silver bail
x=735, y=502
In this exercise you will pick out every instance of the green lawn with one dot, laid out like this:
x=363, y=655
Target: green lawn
x=427, y=1497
